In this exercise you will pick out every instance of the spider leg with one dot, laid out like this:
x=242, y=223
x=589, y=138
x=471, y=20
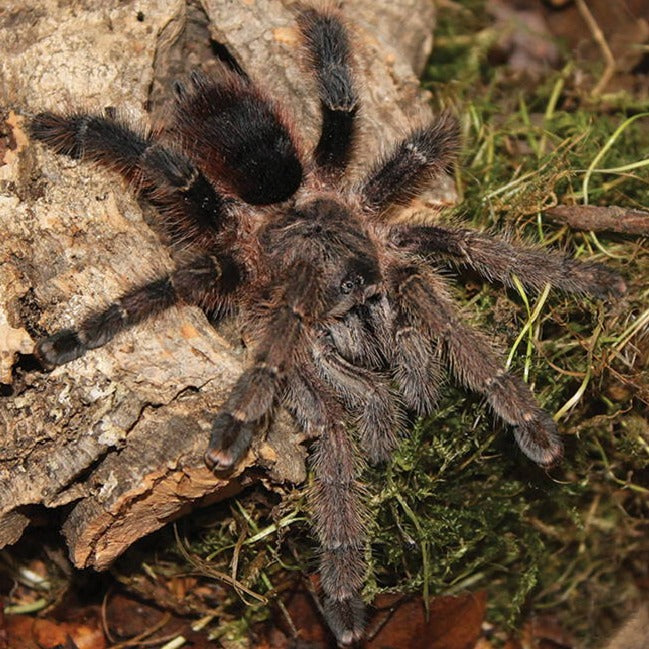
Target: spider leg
x=401, y=174
x=327, y=43
x=416, y=366
x=340, y=524
x=168, y=179
x=207, y=281
x=429, y=308
x=496, y=259
x=337, y=502
x=365, y=391
x=286, y=331
x=239, y=138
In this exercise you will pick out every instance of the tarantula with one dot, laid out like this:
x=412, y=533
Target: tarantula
x=349, y=318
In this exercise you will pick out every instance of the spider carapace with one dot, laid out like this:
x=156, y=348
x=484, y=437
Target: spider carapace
x=351, y=322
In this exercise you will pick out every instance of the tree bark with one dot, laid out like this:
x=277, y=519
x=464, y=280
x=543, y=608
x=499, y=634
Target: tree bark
x=116, y=438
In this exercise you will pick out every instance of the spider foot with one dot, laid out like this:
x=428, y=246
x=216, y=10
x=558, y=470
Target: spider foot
x=229, y=441
x=60, y=348
x=346, y=618
x=601, y=281
x=539, y=440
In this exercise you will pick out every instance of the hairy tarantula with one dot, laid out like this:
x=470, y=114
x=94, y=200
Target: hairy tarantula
x=349, y=318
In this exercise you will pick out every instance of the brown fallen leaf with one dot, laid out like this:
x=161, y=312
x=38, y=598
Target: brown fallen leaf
x=397, y=622
x=452, y=623
x=26, y=632
x=525, y=39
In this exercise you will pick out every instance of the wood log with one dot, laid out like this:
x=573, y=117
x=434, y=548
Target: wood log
x=116, y=438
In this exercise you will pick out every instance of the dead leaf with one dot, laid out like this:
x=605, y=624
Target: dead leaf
x=25, y=632
x=453, y=623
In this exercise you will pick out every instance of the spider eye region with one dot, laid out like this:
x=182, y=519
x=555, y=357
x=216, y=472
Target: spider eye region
x=361, y=281
x=352, y=282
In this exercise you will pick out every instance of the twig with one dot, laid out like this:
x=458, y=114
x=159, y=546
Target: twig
x=601, y=219
x=598, y=35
